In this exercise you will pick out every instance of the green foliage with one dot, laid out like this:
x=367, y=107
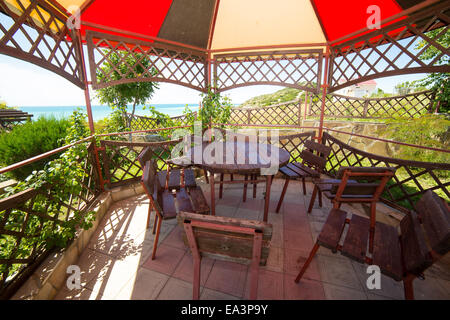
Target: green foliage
x=115, y=122
x=380, y=94
x=4, y=106
x=215, y=108
x=428, y=130
x=135, y=93
x=409, y=87
x=31, y=139
x=438, y=82
x=61, y=179
x=280, y=96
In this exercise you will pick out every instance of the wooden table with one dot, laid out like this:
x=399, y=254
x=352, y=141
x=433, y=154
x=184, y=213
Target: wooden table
x=245, y=158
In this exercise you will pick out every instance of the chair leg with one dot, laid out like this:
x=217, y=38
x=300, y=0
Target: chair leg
x=206, y=175
x=304, y=186
x=282, y=195
x=254, y=186
x=244, y=197
x=306, y=265
x=313, y=198
x=196, y=280
x=320, y=197
x=154, y=223
x=373, y=220
x=408, y=287
x=221, y=186
x=155, y=243
x=149, y=213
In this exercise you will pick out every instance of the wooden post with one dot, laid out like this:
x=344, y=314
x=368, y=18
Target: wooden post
x=324, y=92
x=86, y=85
x=366, y=106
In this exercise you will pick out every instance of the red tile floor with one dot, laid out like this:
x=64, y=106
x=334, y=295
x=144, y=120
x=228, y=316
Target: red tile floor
x=117, y=265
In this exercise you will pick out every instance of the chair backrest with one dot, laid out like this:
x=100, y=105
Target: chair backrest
x=226, y=238
x=145, y=155
x=364, y=183
x=151, y=184
x=315, y=155
x=425, y=235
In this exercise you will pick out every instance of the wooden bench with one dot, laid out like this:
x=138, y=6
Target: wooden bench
x=169, y=192
x=424, y=238
x=237, y=240
x=11, y=116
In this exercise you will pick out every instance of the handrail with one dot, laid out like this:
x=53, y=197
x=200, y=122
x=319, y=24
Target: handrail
x=44, y=155
x=293, y=126
x=54, y=151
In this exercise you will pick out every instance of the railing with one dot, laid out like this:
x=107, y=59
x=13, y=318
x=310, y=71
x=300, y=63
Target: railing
x=406, y=106
x=145, y=123
x=21, y=217
x=336, y=106
x=285, y=113
x=121, y=166
x=411, y=180
x=24, y=216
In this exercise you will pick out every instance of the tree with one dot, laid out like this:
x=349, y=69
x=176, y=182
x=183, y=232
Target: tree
x=438, y=82
x=215, y=108
x=409, y=87
x=119, y=96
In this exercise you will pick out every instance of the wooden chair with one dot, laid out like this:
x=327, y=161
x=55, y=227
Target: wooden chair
x=237, y=240
x=356, y=185
x=314, y=158
x=424, y=238
x=167, y=191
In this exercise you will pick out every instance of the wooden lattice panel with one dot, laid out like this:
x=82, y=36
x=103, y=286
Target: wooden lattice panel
x=411, y=179
x=35, y=32
x=147, y=123
x=286, y=113
x=299, y=69
x=338, y=106
x=392, y=50
x=165, y=62
x=407, y=106
x=120, y=159
x=294, y=143
x=22, y=218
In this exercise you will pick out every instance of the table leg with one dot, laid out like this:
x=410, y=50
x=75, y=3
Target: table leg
x=267, y=198
x=213, y=202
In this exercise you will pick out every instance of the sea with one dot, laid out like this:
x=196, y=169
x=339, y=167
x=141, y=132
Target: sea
x=99, y=112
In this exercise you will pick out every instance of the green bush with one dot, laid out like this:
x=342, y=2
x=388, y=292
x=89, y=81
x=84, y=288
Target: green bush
x=429, y=130
x=29, y=140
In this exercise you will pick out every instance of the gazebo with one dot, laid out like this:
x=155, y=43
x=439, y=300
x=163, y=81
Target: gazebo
x=318, y=46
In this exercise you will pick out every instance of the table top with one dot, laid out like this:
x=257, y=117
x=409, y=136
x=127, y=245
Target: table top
x=237, y=157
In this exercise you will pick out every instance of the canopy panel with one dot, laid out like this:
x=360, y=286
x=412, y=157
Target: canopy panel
x=225, y=24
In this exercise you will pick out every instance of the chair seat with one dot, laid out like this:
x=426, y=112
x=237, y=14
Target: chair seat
x=386, y=252
x=298, y=170
x=175, y=178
